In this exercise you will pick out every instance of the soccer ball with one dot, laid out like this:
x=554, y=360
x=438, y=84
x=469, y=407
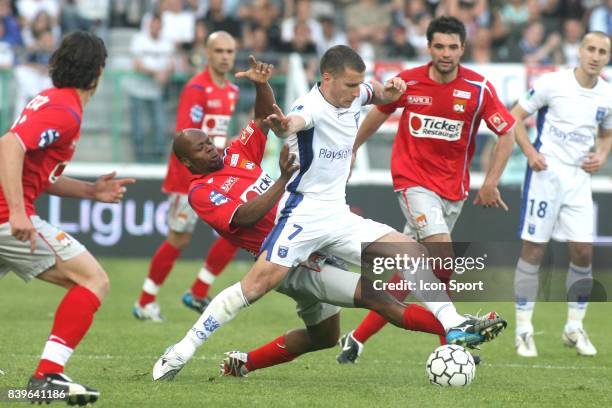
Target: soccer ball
x=450, y=366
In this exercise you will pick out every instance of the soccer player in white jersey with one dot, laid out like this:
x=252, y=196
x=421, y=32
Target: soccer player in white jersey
x=313, y=213
x=573, y=105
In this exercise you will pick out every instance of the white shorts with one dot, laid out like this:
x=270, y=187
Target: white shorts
x=181, y=217
x=320, y=287
x=51, y=242
x=304, y=226
x=557, y=203
x=427, y=213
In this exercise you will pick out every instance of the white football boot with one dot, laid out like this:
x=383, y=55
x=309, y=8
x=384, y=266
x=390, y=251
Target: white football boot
x=168, y=366
x=580, y=340
x=150, y=311
x=525, y=345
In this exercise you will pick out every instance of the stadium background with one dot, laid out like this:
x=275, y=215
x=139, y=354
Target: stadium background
x=509, y=41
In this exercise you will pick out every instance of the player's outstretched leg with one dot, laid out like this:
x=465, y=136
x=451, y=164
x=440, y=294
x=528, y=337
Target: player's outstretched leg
x=219, y=255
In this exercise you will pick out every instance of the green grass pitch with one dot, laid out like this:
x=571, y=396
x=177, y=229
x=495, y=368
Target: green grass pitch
x=118, y=354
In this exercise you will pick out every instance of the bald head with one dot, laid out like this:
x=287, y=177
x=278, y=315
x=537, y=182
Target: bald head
x=220, y=37
x=183, y=142
x=197, y=151
x=221, y=53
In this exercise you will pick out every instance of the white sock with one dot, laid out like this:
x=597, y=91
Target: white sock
x=579, y=284
x=436, y=301
x=223, y=308
x=206, y=276
x=525, y=292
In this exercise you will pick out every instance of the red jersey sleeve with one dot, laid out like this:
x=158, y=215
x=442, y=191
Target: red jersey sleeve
x=190, y=111
x=495, y=114
x=251, y=142
x=213, y=207
x=54, y=125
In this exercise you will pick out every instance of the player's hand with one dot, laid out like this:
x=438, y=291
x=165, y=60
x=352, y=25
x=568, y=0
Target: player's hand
x=278, y=122
x=489, y=197
x=537, y=162
x=287, y=163
x=107, y=189
x=258, y=72
x=23, y=229
x=593, y=162
x=394, y=88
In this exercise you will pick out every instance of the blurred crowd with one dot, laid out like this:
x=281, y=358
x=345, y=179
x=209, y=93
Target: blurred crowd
x=170, y=35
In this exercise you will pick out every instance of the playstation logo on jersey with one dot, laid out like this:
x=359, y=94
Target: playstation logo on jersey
x=531, y=229
x=217, y=198
x=196, y=113
x=283, y=251
x=601, y=113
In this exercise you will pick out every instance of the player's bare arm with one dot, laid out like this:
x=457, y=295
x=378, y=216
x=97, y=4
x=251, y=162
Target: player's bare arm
x=284, y=126
x=12, y=155
x=488, y=195
x=388, y=92
x=595, y=160
x=254, y=210
x=536, y=160
x=106, y=188
x=260, y=73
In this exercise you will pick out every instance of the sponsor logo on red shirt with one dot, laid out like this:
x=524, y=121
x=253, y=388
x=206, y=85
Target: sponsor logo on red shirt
x=435, y=127
x=419, y=100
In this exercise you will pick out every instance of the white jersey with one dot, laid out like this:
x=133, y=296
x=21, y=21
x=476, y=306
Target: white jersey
x=568, y=114
x=325, y=146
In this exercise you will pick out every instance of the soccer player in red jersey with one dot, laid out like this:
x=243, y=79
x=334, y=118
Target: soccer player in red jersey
x=33, y=155
x=206, y=102
x=237, y=198
x=443, y=106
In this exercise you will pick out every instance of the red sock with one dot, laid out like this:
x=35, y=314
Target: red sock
x=270, y=354
x=373, y=322
x=219, y=255
x=159, y=269
x=417, y=318
x=72, y=320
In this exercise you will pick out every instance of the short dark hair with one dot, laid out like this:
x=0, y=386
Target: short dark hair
x=78, y=61
x=446, y=25
x=336, y=59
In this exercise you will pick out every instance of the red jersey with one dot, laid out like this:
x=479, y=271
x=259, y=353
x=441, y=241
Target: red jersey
x=216, y=196
x=48, y=128
x=434, y=144
x=203, y=105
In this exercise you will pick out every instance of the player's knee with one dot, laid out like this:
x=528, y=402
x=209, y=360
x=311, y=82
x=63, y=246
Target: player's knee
x=581, y=254
x=179, y=240
x=101, y=283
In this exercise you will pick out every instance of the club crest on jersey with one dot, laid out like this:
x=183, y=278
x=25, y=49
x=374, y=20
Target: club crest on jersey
x=217, y=198
x=458, y=93
x=245, y=164
x=246, y=134
x=297, y=108
x=283, y=251
x=459, y=105
x=497, y=121
x=229, y=183
x=47, y=137
x=601, y=113
x=196, y=113
x=531, y=229
x=419, y=100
